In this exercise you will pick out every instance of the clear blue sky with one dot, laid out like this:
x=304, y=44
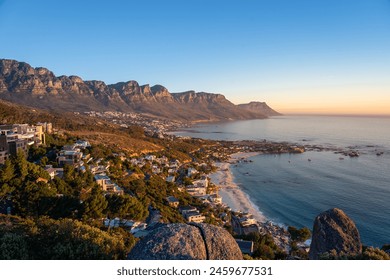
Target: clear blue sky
x=299, y=56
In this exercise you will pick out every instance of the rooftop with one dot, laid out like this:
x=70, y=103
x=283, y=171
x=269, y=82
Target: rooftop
x=101, y=177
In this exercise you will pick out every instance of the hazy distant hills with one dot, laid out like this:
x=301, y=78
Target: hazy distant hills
x=259, y=107
x=39, y=87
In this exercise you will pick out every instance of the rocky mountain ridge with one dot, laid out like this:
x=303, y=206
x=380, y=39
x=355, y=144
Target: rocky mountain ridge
x=39, y=87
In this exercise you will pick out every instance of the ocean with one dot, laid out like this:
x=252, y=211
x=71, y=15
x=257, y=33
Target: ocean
x=292, y=189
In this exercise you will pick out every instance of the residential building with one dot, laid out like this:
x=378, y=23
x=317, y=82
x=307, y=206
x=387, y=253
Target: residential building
x=170, y=179
x=15, y=137
x=107, y=185
x=191, y=214
x=195, y=217
x=246, y=222
x=191, y=171
x=16, y=145
x=100, y=169
x=59, y=172
x=71, y=157
x=156, y=169
x=150, y=157
x=215, y=198
x=34, y=134
x=195, y=190
x=202, y=183
x=11, y=147
x=3, y=156
x=82, y=144
x=172, y=201
x=47, y=127
x=184, y=209
x=246, y=247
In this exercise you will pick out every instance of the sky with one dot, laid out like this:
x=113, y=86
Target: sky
x=299, y=56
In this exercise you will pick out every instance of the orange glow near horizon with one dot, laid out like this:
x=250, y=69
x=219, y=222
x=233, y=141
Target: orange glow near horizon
x=335, y=111
x=363, y=100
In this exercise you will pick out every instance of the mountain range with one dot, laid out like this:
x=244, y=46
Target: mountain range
x=38, y=87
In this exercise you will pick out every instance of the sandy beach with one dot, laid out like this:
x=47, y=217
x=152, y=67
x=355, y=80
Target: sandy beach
x=230, y=192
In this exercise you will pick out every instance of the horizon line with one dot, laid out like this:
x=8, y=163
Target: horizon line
x=337, y=115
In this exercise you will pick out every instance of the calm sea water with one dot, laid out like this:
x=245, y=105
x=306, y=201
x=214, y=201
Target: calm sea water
x=291, y=190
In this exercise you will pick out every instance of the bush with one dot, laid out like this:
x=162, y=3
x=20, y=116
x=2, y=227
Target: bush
x=371, y=253
x=13, y=247
x=299, y=235
x=64, y=239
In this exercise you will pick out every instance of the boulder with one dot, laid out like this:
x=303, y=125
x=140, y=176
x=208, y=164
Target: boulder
x=336, y=234
x=187, y=242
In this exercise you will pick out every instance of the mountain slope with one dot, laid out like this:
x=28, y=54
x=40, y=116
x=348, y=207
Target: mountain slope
x=39, y=87
x=259, y=107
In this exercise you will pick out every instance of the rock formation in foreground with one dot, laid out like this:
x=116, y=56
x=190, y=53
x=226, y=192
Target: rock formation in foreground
x=336, y=234
x=187, y=242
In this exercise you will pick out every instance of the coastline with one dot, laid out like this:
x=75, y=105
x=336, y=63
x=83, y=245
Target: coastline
x=344, y=162
x=232, y=195
x=235, y=198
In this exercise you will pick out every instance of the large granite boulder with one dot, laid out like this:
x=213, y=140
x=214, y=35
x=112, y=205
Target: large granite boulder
x=336, y=234
x=187, y=242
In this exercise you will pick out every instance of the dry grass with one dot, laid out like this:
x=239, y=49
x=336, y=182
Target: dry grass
x=120, y=140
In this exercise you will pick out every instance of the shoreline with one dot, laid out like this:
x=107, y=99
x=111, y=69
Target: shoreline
x=235, y=198
x=232, y=195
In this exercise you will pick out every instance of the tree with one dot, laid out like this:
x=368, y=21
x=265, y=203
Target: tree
x=69, y=173
x=187, y=181
x=35, y=172
x=44, y=160
x=36, y=153
x=64, y=207
x=264, y=246
x=299, y=235
x=13, y=247
x=125, y=206
x=45, y=239
x=35, y=199
x=7, y=172
x=371, y=253
x=21, y=165
x=61, y=186
x=95, y=205
x=264, y=252
x=138, y=187
x=5, y=191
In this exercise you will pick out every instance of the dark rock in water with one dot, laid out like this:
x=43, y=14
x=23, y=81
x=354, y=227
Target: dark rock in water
x=353, y=154
x=187, y=242
x=336, y=234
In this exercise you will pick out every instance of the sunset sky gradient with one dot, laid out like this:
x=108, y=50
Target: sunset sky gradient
x=302, y=56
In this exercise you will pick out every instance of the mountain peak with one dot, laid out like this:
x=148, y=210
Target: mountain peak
x=39, y=87
x=256, y=106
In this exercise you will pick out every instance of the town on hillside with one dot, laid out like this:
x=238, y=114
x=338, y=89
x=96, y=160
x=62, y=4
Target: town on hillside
x=163, y=188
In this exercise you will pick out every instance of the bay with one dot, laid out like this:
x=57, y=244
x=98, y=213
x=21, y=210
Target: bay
x=291, y=189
